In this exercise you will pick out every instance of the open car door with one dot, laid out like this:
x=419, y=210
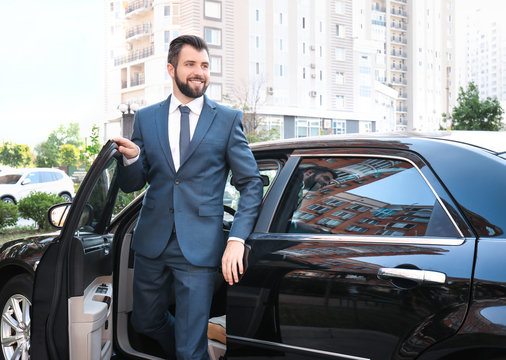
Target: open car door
x=72, y=294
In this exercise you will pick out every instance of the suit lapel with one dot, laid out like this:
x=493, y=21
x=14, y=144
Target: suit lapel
x=205, y=120
x=162, y=127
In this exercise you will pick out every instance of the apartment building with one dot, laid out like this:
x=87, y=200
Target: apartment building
x=306, y=67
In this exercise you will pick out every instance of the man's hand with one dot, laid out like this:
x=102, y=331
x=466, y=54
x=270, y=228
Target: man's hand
x=232, y=260
x=126, y=147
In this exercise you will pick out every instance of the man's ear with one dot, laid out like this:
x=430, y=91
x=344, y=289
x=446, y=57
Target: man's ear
x=170, y=70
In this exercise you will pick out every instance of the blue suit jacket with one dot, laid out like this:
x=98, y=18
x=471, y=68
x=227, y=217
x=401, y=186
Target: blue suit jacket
x=191, y=199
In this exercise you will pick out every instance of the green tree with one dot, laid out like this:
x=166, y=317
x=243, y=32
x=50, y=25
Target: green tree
x=15, y=155
x=471, y=113
x=90, y=151
x=69, y=155
x=8, y=214
x=49, y=150
x=36, y=205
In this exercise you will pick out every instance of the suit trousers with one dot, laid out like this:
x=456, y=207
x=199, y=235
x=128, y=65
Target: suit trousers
x=183, y=336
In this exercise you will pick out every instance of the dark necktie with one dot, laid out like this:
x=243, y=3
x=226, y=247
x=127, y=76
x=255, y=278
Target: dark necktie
x=184, y=133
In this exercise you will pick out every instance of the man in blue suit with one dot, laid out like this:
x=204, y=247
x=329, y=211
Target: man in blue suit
x=183, y=148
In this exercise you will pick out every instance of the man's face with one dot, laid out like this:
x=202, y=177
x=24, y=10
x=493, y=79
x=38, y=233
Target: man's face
x=191, y=74
x=316, y=180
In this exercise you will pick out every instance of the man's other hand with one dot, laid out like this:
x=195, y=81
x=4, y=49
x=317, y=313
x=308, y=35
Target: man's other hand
x=126, y=147
x=231, y=261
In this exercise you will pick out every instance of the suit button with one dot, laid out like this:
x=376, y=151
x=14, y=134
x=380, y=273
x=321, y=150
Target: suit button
x=171, y=210
x=176, y=181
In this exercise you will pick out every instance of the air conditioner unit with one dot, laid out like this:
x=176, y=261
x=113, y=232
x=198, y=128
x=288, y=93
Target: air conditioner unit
x=313, y=76
x=312, y=93
x=270, y=90
x=313, y=66
x=312, y=48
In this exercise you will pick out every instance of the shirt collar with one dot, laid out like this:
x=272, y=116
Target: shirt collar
x=195, y=105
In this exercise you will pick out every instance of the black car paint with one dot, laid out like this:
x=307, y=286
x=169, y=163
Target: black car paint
x=472, y=310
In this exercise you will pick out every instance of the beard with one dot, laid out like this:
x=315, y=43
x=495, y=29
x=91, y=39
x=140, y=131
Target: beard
x=186, y=89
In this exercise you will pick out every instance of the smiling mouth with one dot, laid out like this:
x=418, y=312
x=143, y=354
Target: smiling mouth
x=197, y=81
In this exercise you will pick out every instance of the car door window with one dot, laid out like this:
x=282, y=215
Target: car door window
x=268, y=170
x=361, y=196
x=34, y=177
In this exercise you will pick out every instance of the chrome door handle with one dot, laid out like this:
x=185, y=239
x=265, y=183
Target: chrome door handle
x=419, y=276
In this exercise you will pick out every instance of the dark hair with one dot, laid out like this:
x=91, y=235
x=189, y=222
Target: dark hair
x=319, y=170
x=177, y=44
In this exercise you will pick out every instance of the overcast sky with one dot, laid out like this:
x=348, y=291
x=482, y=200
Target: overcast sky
x=51, y=66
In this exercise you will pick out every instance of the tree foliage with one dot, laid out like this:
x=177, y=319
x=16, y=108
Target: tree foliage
x=91, y=150
x=69, y=155
x=48, y=152
x=471, y=113
x=8, y=214
x=15, y=155
x=36, y=205
x=247, y=99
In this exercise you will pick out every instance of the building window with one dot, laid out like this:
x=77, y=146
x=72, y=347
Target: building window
x=166, y=10
x=340, y=31
x=280, y=18
x=307, y=128
x=281, y=44
x=257, y=42
x=339, y=6
x=303, y=47
x=215, y=62
x=340, y=56
x=280, y=70
x=321, y=51
x=212, y=36
x=321, y=75
x=212, y=9
x=339, y=78
x=338, y=127
x=303, y=22
x=303, y=72
x=365, y=91
x=321, y=26
x=257, y=15
x=340, y=101
x=214, y=92
x=257, y=68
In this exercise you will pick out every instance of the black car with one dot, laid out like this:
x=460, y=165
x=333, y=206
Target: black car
x=366, y=247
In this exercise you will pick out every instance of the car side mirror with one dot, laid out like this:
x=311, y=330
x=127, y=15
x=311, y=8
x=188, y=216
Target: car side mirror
x=26, y=181
x=57, y=214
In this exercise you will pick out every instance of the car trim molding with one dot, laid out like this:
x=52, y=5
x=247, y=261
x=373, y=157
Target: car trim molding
x=408, y=240
x=296, y=348
x=441, y=203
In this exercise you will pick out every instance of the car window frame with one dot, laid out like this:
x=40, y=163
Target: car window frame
x=271, y=203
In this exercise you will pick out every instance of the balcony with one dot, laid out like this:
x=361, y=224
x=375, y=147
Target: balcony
x=134, y=55
x=137, y=7
x=401, y=41
x=398, y=13
x=138, y=31
x=402, y=68
x=378, y=8
x=137, y=80
x=402, y=109
x=398, y=54
x=399, y=27
x=400, y=1
x=399, y=82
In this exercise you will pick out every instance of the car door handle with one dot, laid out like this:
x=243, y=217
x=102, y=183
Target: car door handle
x=419, y=276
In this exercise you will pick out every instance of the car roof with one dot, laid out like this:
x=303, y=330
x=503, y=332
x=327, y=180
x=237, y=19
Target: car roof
x=491, y=141
x=25, y=170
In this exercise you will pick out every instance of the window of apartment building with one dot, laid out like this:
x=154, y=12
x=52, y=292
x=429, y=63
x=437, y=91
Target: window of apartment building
x=321, y=75
x=321, y=100
x=303, y=22
x=215, y=64
x=340, y=55
x=166, y=10
x=340, y=30
x=212, y=36
x=257, y=42
x=365, y=126
x=386, y=192
x=305, y=128
x=257, y=15
x=339, y=78
x=281, y=70
x=281, y=18
x=339, y=6
x=303, y=47
x=340, y=101
x=257, y=68
x=338, y=127
x=321, y=26
x=214, y=91
x=281, y=44
x=321, y=51
x=365, y=91
x=212, y=9
x=111, y=5
x=303, y=72
x=168, y=37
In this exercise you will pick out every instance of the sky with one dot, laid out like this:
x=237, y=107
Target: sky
x=51, y=67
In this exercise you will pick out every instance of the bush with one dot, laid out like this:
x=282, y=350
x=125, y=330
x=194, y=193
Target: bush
x=35, y=207
x=8, y=214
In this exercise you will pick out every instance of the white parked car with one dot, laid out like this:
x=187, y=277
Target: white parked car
x=16, y=184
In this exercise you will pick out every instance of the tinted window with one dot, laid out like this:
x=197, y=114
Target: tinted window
x=46, y=176
x=57, y=176
x=34, y=177
x=9, y=179
x=361, y=196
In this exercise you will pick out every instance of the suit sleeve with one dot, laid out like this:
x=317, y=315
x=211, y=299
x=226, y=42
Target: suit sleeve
x=133, y=177
x=247, y=180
